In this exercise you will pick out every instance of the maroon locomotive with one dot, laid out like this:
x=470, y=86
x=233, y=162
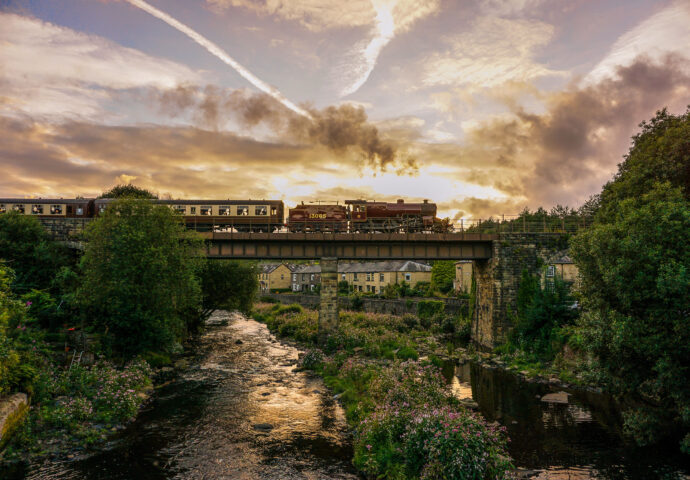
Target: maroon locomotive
x=364, y=216
x=318, y=218
x=394, y=217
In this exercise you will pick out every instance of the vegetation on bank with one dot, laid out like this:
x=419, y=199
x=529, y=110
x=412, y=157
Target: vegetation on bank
x=138, y=291
x=407, y=424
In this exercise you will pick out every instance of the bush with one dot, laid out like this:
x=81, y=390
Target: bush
x=312, y=360
x=266, y=299
x=428, y=309
x=407, y=353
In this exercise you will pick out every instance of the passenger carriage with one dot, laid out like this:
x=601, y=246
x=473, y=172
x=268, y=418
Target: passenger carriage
x=48, y=207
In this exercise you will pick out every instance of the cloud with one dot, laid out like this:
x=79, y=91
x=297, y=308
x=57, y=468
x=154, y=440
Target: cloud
x=71, y=73
x=493, y=51
x=664, y=32
x=315, y=15
x=566, y=153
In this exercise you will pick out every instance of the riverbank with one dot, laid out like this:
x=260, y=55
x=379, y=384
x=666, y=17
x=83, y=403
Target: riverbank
x=557, y=429
x=238, y=410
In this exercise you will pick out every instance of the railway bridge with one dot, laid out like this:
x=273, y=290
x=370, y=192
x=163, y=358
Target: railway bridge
x=498, y=260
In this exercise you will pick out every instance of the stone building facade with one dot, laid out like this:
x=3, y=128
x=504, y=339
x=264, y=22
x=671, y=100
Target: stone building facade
x=275, y=276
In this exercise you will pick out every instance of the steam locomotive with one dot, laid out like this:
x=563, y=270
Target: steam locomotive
x=354, y=216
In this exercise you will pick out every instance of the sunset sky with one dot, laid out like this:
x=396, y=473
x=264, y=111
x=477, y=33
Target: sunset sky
x=484, y=107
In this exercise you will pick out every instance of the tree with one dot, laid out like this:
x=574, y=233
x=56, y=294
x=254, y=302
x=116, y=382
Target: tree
x=128, y=191
x=442, y=275
x=139, y=276
x=27, y=249
x=634, y=264
x=228, y=285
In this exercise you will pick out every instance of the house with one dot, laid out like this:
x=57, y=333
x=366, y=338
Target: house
x=364, y=276
x=463, y=276
x=561, y=266
x=305, y=278
x=274, y=276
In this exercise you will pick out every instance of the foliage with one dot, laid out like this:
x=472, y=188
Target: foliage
x=228, y=285
x=443, y=275
x=542, y=315
x=139, y=281
x=429, y=309
x=20, y=344
x=343, y=287
x=79, y=406
x=27, y=249
x=128, y=191
x=635, y=268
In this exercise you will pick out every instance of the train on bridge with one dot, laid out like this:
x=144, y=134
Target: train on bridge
x=352, y=216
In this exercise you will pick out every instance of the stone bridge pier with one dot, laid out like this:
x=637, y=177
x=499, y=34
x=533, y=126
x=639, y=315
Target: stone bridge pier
x=328, y=311
x=498, y=281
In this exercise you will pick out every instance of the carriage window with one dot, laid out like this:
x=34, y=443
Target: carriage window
x=243, y=210
x=18, y=208
x=80, y=210
x=192, y=210
x=56, y=209
x=260, y=210
x=180, y=209
x=359, y=208
x=3, y=209
x=206, y=210
x=101, y=208
x=224, y=210
x=37, y=209
x=274, y=210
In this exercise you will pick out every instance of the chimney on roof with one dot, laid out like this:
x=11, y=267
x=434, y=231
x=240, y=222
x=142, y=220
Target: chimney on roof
x=400, y=200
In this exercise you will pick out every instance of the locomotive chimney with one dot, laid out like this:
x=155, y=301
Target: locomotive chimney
x=400, y=200
x=426, y=200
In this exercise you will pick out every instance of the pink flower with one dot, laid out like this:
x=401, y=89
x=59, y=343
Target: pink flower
x=368, y=447
x=29, y=303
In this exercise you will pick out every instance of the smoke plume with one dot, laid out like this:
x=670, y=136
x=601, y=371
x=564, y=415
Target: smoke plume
x=340, y=129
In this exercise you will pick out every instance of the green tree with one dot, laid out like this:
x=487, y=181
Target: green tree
x=228, y=285
x=139, y=276
x=442, y=275
x=128, y=191
x=660, y=153
x=27, y=249
x=635, y=268
x=635, y=272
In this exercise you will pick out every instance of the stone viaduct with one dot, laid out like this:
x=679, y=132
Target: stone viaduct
x=498, y=260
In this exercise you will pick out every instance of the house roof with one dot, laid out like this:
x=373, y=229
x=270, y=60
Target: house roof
x=371, y=267
x=270, y=267
x=560, y=257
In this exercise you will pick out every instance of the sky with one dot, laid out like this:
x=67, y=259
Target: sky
x=485, y=107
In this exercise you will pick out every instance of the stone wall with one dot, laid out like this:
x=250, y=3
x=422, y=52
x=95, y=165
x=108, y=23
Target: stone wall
x=393, y=306
x=65, y=229
x=12, y=411
x=498, y=280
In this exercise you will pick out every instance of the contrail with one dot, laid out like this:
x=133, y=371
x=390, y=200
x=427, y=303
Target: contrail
x=220, y=53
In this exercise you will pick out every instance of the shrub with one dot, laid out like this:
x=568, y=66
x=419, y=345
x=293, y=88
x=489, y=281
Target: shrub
x=267, y=299
x=428, y=309
x=407, y=353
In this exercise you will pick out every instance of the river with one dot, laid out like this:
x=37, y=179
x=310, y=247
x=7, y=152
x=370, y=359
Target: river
x=241, y=411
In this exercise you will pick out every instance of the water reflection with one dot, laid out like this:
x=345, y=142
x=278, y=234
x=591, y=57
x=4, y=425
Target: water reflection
x=239, y=412
x=562, y=434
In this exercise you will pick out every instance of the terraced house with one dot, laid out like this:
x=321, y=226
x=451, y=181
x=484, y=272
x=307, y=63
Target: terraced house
x=275, y=277
x=369, y=277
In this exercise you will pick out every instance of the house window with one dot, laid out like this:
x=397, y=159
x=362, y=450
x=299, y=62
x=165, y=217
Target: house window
x=408, y=277
x=311, y=287
x=56, y=209
x=243, y=210
x=224, y=210
x=381, y=277
x=368, y=288
x=260, y=210
x=37, y=209
x=342, y=276
x=18, y=208
x=550, y=271
x=181, y=209
x=206, y=210
x=282, y=276
x=369, y=277
x=354, y=276
x=294, y=277
x=312, y=277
